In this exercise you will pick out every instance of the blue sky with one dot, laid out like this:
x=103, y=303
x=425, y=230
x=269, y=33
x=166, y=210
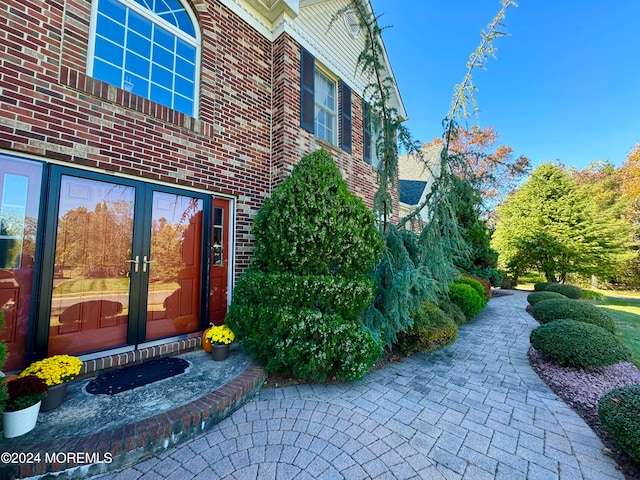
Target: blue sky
x=565, y=85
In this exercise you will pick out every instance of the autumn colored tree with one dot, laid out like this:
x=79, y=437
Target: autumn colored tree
x=478, y=157
x=631, y=175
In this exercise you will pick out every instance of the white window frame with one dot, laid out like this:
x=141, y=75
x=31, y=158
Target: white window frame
x=195, y=42
x=331, y=112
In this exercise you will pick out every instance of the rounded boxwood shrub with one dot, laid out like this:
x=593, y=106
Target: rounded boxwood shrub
x=619, y=412
x=467, y=298
x=569, y=291
x=542, y=286
x=536, y=297
x=578, y=344
x=484, y=289
x=432, y=328
x=546, y=311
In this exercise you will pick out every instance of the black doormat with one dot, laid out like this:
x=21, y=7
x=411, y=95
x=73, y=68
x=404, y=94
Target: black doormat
x=128, y=378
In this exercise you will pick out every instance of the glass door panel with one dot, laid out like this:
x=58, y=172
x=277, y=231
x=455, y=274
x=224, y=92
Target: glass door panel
x=20, y=182
x=174, y=265
x=93, y=252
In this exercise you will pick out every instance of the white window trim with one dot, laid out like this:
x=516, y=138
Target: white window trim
x=319, y=70
x=164, y=24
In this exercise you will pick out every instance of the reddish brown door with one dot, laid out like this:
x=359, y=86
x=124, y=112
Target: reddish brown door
x=174, y=265
x=218, y=294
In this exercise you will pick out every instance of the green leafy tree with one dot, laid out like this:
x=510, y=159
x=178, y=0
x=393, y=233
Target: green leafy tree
x=549, y=225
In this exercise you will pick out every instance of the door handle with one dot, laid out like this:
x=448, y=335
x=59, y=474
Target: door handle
x=135, y=263
x=146, y=262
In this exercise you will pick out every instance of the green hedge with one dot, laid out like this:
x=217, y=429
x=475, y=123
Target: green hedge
x=619, y=412
x=536, y=297
x=344, y=296
x=432, y=328
x=467, y=298
x=578, y=344
x=306, y=343
x=542, y=286
x=569, y=291
x=548, y=310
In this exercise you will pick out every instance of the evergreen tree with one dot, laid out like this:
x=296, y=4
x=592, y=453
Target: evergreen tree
x=298, y=308
x=482, y=260
x=549, y=225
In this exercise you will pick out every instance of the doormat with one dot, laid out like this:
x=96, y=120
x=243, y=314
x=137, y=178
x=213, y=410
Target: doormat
x=128, y=378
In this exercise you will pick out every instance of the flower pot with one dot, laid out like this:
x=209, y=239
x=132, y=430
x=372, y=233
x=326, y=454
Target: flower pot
x=20, y=422
x=219, y=352
x=55, y=397
x=206, y=344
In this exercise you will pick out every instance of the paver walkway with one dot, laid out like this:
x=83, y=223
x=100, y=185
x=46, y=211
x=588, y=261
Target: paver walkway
x=475, y=410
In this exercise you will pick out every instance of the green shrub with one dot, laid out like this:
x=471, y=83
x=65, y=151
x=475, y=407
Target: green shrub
x=344, y=296
x=313, y=225
x=569, y=291
x=619, y=412
x=467, y=298
x=298, y=308
x=542, y=286
x=432, y=328
x=536, y=297
x=482, y=287
x=452, y=311
x=548, y=310
x=578, y=344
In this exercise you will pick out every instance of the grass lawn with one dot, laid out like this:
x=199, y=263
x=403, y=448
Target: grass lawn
x=626, y=314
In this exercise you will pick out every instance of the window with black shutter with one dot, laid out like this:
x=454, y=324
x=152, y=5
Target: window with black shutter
x=307, y=86
x=345, y=123
x=366, y=132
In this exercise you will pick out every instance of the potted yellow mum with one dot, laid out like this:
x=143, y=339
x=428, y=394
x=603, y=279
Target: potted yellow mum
x=56, y=371
x=220, y=336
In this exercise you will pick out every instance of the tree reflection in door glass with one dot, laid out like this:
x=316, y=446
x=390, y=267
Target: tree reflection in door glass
x=174, y=265
x=89, y=305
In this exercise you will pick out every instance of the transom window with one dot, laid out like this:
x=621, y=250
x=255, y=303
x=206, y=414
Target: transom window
x=147, y=47
x=325, y=111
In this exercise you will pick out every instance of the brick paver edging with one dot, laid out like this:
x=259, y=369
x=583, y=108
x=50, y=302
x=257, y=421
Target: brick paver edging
x=129, y=444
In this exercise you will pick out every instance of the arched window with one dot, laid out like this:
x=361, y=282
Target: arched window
x=148, y=47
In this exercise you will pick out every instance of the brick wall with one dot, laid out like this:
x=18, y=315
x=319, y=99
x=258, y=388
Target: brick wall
x=244, y=142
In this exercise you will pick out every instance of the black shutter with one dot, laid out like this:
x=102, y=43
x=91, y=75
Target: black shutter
x=345, y=115
x=307, y=86
x=366, y=132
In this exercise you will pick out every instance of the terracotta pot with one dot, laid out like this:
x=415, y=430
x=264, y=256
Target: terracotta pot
x=55, y=397
x=206, y=344
x=20, y=422
x=219, y=352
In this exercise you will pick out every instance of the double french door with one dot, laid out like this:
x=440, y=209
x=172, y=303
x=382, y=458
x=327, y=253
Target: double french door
x=127, y=262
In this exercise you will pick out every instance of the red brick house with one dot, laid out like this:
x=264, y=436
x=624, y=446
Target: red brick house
x=138, y=138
